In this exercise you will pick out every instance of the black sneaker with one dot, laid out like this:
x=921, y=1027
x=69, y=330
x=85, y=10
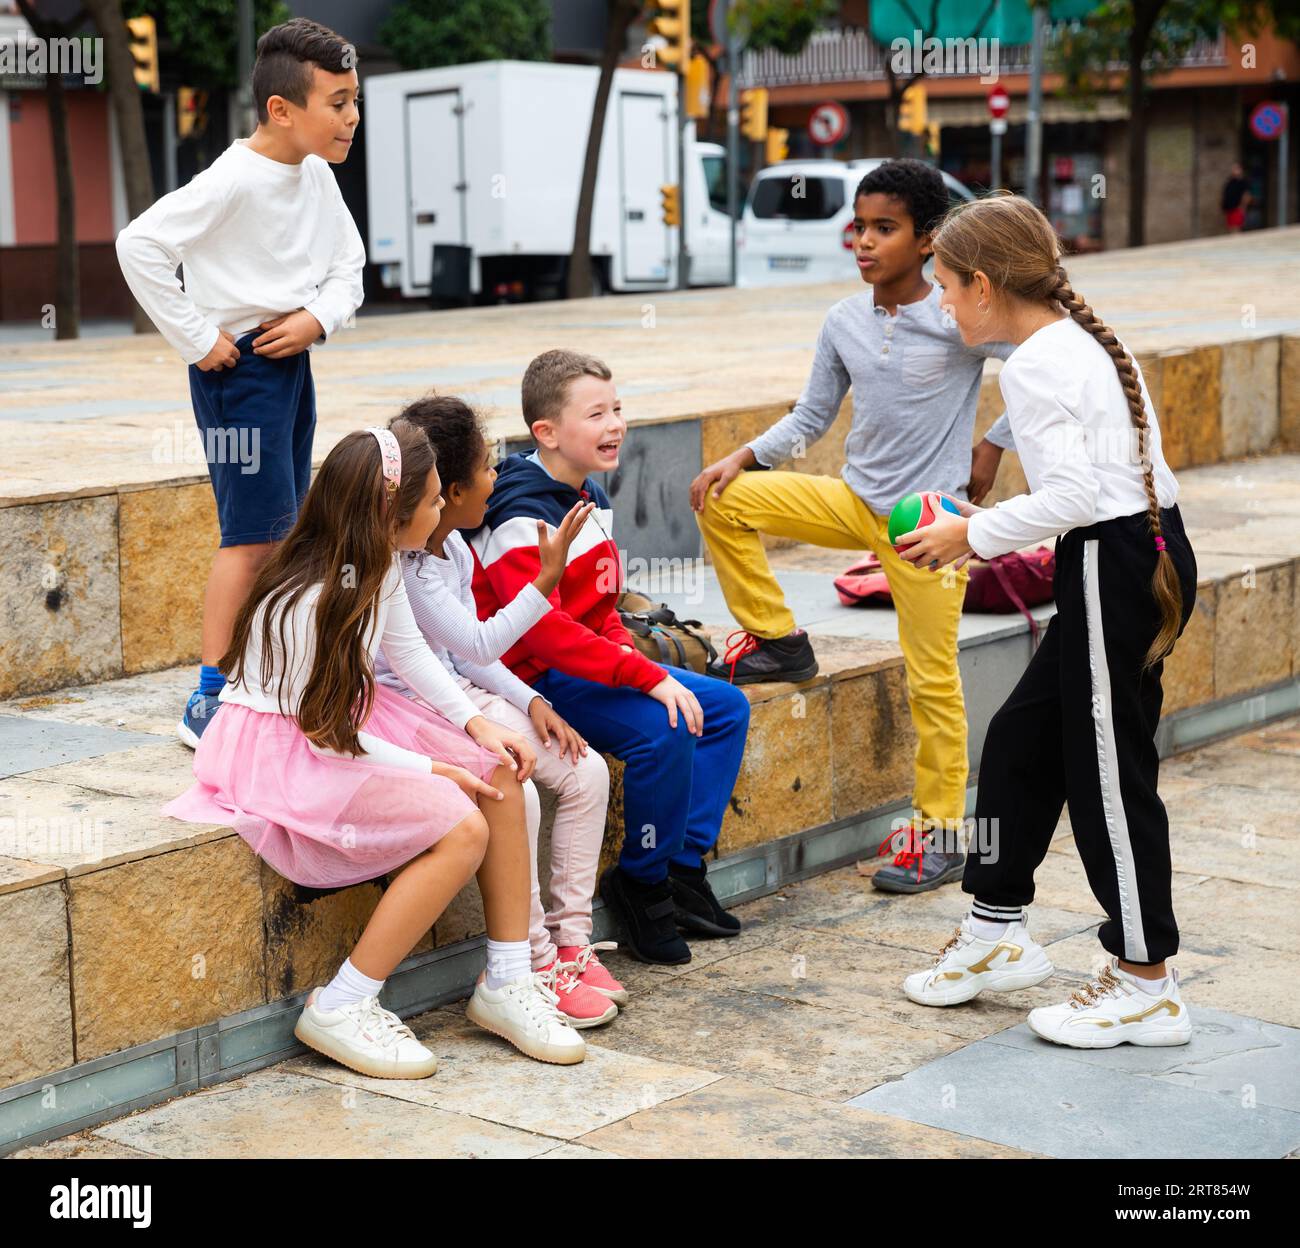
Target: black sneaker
x=697, y=909
x=646, y=914
x=918, y=867
x=751, y=659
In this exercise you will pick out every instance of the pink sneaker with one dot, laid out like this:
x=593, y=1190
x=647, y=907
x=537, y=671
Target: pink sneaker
x=582, y=961
x=580, y=1005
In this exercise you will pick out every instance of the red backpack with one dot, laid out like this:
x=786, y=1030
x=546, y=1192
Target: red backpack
x=1013, y=582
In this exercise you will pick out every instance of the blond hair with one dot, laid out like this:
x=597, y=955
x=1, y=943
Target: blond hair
x=546, y=382
x=1008, y=239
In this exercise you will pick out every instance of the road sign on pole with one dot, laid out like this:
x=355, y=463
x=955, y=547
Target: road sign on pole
x=828, y=124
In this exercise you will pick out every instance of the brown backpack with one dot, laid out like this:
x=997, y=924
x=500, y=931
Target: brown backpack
x=661, y=636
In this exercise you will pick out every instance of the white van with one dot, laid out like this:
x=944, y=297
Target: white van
x=484, y=162
x=798, y=222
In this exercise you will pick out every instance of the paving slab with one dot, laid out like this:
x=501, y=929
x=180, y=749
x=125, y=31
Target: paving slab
x=733, y=1119
x=1037, y=1098
x=27, y=746
x=275, y=1113
x=481, y=1075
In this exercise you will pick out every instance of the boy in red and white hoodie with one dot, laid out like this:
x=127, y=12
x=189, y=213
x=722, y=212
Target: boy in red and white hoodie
x=681, y=737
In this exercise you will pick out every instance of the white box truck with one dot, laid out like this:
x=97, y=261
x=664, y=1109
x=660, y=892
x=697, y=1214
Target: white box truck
x=487, y=158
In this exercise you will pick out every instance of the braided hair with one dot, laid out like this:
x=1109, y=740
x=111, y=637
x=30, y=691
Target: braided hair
x=1008, y=238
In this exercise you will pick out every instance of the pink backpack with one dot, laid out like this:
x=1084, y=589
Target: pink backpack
x=1013, y=582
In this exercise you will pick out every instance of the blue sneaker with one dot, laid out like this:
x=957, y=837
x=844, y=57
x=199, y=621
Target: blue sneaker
x=199, y=711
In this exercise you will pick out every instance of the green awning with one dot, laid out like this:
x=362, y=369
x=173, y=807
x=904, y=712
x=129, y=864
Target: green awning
x=1010, y=22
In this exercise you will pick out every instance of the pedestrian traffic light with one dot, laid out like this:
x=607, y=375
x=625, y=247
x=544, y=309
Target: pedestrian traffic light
x=672, y=204
x=911, y=110
x=144, y=52
x=753, y=113
x=697, y=87
x=672, y=22
x=778, y=145
x=191, y=112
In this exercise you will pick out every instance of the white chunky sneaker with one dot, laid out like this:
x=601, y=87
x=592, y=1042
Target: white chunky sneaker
x=526, y=1012
x=366, y=1038
x=968, y=964
x=1111, y=1011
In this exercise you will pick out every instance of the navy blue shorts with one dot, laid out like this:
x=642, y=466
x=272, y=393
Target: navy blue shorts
x=256, y=421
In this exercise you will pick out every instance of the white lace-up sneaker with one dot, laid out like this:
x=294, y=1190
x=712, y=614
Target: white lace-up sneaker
x=526, y=1012
x=366, y=1038
x=1111, y=1011
x=968, y=964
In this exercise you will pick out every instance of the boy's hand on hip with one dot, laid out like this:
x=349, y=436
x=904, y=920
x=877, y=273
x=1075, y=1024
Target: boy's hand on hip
x=984, y=463
x=676, y=697
x=287, y=335
x=224, y=353
x=716, y=477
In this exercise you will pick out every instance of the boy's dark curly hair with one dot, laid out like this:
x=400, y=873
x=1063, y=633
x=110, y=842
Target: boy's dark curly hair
x=455, y=432
x=917, y=185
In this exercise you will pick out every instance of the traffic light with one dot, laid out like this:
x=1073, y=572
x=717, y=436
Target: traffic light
x=673, y=23
x=911, y=110
x=932, y=138
x=753, y=113
x=672, y=204
x=697, y=87
x=191, y=112
x=144, y=51
x=778, y=145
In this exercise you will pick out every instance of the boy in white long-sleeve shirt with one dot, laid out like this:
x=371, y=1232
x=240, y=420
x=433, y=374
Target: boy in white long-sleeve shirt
x=272, y=263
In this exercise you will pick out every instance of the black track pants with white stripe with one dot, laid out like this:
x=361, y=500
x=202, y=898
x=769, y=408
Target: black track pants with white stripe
x=1079, y=728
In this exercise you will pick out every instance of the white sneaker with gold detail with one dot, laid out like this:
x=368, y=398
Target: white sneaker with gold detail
x=968, y=964
x=1112, y=1010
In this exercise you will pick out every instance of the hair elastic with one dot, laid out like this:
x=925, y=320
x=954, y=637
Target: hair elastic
x=1160, y=543
x=390, y=457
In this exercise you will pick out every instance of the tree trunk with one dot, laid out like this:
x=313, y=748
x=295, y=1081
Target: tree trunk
x=1145, y=13
x=67, y=293
x=620, y=15
x=124, y=98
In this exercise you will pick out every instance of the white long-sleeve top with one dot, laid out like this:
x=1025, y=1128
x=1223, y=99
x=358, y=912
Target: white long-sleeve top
x=393, y=627
x=258, y=238
x=442, y=603
x=1076, y=440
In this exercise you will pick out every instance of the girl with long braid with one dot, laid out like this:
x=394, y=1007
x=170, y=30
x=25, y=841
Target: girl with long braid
x=1079, y=727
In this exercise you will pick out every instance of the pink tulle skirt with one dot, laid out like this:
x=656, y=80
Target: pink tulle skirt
x=329, y=822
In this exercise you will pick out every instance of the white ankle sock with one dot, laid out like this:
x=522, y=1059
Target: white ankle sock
x=987, y=930
x=1152, y=987
x=507, y=960
x=347, y=987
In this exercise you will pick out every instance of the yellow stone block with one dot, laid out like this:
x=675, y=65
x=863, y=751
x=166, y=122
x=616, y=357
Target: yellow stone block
x=59, y=622
x=1191, y=411
x=873, y=741
x=165, y=943
x=168, y=536
x=1188, y=678
x=1252, y=637
x=1289, y=393
x=36, y=1002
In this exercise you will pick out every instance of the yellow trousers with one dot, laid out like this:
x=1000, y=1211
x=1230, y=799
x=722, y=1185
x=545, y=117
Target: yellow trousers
x=823, y=511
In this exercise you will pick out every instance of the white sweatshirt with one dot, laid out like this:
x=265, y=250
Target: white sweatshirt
x=258, y=238
x=393, y=627
x=442, y=603
x=1076, y=440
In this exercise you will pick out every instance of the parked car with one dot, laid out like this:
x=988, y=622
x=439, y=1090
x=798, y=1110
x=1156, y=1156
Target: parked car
x=798, y=221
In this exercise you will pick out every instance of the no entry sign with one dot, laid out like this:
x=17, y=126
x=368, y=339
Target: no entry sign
x=828, y=124
x=999, y=101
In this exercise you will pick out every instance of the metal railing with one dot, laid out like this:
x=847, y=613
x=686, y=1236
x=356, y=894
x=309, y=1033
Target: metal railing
x=850, y=54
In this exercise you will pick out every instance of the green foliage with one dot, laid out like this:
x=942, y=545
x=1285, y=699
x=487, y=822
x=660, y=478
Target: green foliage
x=422, y=34
x=199, y=39
x=784, y=25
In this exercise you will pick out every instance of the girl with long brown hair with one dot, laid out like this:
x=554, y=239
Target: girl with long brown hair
x=333, y=779
x=1079, y=727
